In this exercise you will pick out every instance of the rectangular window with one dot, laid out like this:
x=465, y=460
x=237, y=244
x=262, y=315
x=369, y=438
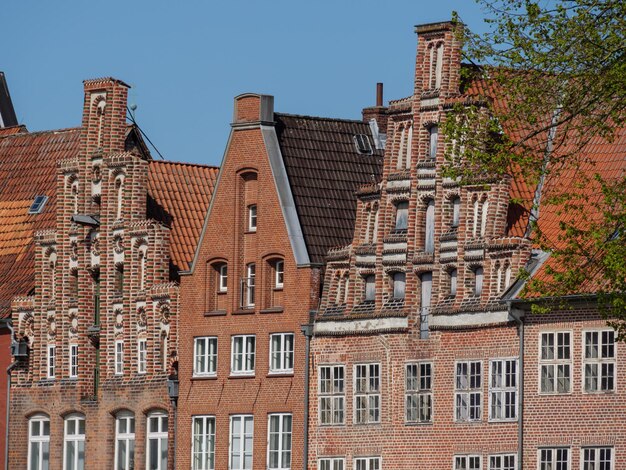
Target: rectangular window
x=242, y=357
x=142, y=356
x=597, y=458
x=402, y=216
x=205, y=356
x=419, y=393
x=334, y=463
x=203, y=443
x=367, y=463
x=252, y=218
x=332, y=394
x=223, y=278
x=467, y=462
x=248, y=284
x=433, y=137
x=281, y=352
x=279, y=442
x=366, y=393
x=502, y=462
x=73, y=361
x=157, y=436
x=468, y=395
x=74, y=443
x=599, y=361
x=39, y=443
x=399, y=285
x=555, y=362
x=279, y=274
x=503, y=390
x=119, y=357
x=554, y=459
x=52, y=353
x=124, y=441
x=241, y=439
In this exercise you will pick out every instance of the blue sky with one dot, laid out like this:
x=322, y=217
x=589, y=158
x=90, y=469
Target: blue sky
x=186, y=60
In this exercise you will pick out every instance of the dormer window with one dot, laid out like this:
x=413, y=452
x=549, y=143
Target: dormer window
x=38, y=204
x=399, y=285
x=252, y=218
x=402, y=216
x=370, y=288
x=433, y=137
x=362, y=144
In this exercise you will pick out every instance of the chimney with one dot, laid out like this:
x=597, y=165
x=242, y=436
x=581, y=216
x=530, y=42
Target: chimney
x=252, y=108
x=379, y=94
x=379, y=112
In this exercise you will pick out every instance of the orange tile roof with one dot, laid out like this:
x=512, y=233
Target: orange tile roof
x=179, y=195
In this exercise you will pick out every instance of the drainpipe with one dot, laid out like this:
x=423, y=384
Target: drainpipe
x=307, y=330
x=520, y=402
x=12, y=366
x=172, y=391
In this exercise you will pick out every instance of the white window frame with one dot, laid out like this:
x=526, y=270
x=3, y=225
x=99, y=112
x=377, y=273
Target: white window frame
x=203, y=458
x=368, y=463
x=502, y=389
x=600, y=362
x=252, y=217
x=119, y=357
x=222, y=278
x=556, y=364
x=502, y=465
x=142, y=356
x=596, y=457
x=552, y=461
x=279, y=274
x=209, y=358
x=458, y=459
x=242, y=451
x=367, y=388
x=41, y=439
x=331, y=463
x=284, y=356
x=250, y=293
x=420, y=393
x=469, y=392
x=51, y=361
x=127, y=437
x=73, y=361
x=334, y=394
x=248, y=355
x=282, y=434
x=158, y=435
x=74, y=439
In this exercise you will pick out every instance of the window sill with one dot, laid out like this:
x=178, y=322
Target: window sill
x=215, y=313
x=418, y=423
x=249, y=231
x=331, y=425
x=272, y=310
x=241, y=376
x=502, y=421
x=280, y=374
x=244, y=311
x=204, y=377
x=377, y=423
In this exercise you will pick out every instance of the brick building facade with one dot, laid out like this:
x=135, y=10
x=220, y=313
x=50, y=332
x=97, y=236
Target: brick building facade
x=97, y=336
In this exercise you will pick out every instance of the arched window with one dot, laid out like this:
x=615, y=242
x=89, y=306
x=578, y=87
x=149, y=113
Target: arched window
x=425, y=302
x=409, y=144
x=156, y=440
x=475, y=223
x=438, y=65
x=216, y=286
x=453, y=282
x=339, y=285
x=119, y=192
x=74, y=442
x=433, y=138
x=39, y=442
x=402, y=131
x=370, y=288
x=429, y=238
x=402, y=215
x=124, y=441
x=375, y=228
x=456, y=211
x=52, y=264
x=399, y=285
x=483, y=217
x=252, y=217
x=478, y=281
x=143, y=253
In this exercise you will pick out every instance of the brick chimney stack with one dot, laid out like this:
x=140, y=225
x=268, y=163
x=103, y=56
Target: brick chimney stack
x=378, y=112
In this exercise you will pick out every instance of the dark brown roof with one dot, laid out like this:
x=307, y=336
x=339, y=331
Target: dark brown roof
x=325, y=170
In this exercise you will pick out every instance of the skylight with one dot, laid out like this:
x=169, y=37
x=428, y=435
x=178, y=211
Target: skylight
x=38, y=204
x=363, y=145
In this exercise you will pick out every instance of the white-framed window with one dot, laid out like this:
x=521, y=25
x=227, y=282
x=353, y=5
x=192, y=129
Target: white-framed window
x=370, y=288
x=597, y=458
x=331, y=463
x=429, y=228
x=249, y=284
x=503, y=390
x=223, y=278
x=156, y=437
x=119, y=357
x=599, y=360
x=73, y=361
x=367, y=463
x=279, y=441
x=399, y=285
x=502, y=462
x=142, y=355
x=419, y=392
x=433, y=137
x=252, y=218
x=241, y=442
x=557, y=458
x=74, y=442
x=281, y=352
x=279, y=274
x=203, y=443
x=555, y=362
x=205, y=356
x=456, y=211
x=366, y=393
x=467, y=462
x=332, y=396
x=468, y=391
x=51, y=361
x=402, y=215
x=39, y=442
x=124, y=441
x=243, y=349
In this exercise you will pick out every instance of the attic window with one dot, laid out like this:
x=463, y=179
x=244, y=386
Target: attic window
x=38, y=204
x=363, y=145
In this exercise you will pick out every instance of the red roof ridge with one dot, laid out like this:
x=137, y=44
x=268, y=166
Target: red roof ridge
x=173, y=162
x=37, y=133
x=93, y=81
